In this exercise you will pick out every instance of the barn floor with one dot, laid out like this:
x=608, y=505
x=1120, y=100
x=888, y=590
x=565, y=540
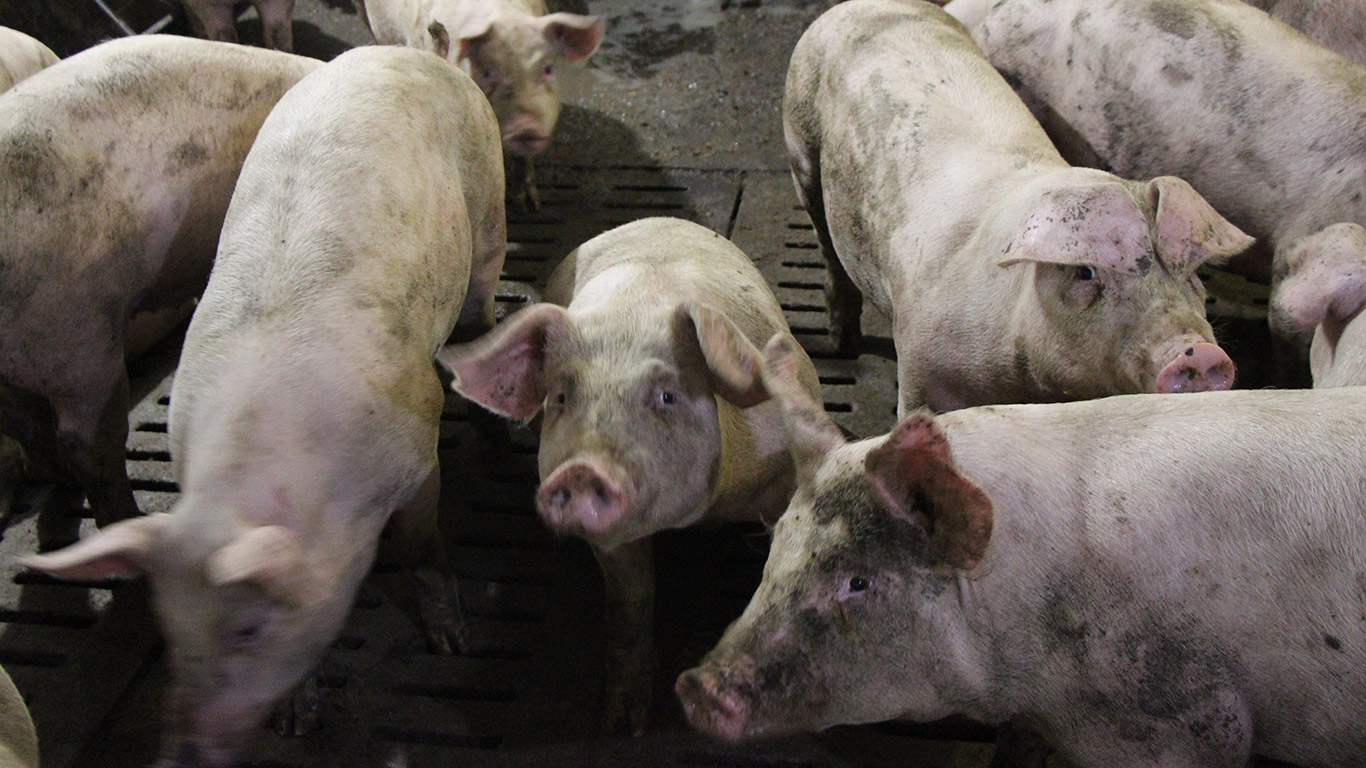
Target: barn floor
x=679, y=115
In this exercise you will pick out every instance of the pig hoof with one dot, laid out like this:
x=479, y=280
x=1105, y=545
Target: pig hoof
x=526, y=199
x=627, y=712
x=297, y=715
x=450, y=641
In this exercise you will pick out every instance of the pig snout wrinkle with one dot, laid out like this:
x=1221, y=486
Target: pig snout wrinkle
x=1200, y=367
x=582, y=497
x=708, y=707
x=526, y=143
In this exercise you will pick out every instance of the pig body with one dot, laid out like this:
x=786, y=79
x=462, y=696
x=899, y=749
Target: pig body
x=217, y=20
x=118, y=164
x=1339, y=25
x=1148, y=581
x=21, y=56
x=513, y=49
x=18, y=739
x=306, y=407
x=1265, y=124
x=647, y=421
x=1008, y=274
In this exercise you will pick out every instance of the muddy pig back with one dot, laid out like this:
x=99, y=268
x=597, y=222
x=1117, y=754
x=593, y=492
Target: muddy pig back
x=21, y=56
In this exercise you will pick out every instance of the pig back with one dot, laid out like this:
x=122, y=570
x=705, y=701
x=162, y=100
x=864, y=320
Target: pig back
x=1229, y=523
x=350, y=232
x=118, y=163
x=21, y=56
x=909, y=134
x=1267, y=125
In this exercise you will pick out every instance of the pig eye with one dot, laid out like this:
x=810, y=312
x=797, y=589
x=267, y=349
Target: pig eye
x=666, y=397
x=1084, y=273
x=858, y=584
x=547, y=69
x=559, y=399
x=245, y=633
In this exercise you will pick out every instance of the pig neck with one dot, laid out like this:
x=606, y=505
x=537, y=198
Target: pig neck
x=754, y=476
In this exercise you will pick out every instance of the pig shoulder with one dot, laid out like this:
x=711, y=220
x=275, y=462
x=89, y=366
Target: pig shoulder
x=21, y=56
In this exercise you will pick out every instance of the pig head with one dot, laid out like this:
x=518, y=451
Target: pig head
x=631, y=440
x=1321, y=288
x=854, y=614
x=245, y=611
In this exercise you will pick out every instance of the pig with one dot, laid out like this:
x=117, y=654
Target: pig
x=1151, y=581
x=1324, y=291
x=21, y=56
x=1008, y=275
x=1339, y=25
x=18, y=739
x=216, y=20
x=1268, y=126
x=648, y=424
x=367, y=224
x=116, y=166
x=513, y=49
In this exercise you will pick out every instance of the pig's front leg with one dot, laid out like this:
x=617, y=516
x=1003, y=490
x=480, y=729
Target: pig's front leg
x=297, y=713
x=424, y=555
x=522, y=193
x=628, y=573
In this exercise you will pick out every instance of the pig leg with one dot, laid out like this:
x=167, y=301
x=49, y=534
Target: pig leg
x=275, y=23
x=92, y=433
x=424, y=554
x=628, y=573
x=212, y=20
x=297, y=713
x=522, y=193
x=841, y=295
x=11, y=477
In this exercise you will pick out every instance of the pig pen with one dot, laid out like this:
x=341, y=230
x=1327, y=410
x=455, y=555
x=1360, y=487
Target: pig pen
x=678, y=115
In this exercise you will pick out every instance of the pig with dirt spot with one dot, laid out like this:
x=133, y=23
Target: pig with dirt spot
x=643, y=368
x=1324, y=291
x=1008, y=275
x=21, y=56
x=1150, y=581
x=116, y=167
x=513, y=49
x=366, y=225
x=217, y=20
x=1267, y=125
x=1339, y=25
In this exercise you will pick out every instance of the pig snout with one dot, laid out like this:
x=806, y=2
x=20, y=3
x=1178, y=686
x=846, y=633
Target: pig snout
x=1197, y=367
x=710, y=706
x=526, y=137
x=584, y=496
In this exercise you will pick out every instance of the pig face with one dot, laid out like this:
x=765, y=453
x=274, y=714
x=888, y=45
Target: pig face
x=516, y=61
x=1114, y=281
x=1321, y=285
x=245, y=622
x=630, y=442
x=857, y=617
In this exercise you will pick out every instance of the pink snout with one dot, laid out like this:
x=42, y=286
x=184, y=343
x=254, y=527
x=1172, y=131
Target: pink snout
x=709, y=707
x=526, y=140
x=1199, y=367
x=584, y=496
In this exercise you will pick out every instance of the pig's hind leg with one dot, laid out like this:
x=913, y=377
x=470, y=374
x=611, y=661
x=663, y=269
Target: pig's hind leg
x=843, y=298
x=424, y=555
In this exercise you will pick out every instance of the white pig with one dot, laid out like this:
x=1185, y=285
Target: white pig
x=1336, y=24
x=217, y=20
x=18, y=739
x=1009, y=276
x=116, y=166
x=1152, y=582
x=1267, y=125
x=21, y=56
x=647, y=421
x=513, y=49
x=367, y=223
x=1325, y=290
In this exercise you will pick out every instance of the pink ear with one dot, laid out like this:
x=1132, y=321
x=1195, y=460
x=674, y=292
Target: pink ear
x=504, y=370
x=1189, y=231
x=472, y=35
x=811, y=434
x=575, y=36
x=913, y=473
x=1097, y=225
x=1327, y=276
x=732, y=359
x=123, y=549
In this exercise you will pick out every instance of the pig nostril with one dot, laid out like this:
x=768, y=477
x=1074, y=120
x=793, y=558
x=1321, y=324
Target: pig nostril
x=560, y=496
x=1190, y=351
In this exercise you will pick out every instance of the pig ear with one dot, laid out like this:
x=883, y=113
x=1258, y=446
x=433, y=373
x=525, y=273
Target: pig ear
x=575, y=36
x=472, y=35
x=1096, y=225
x=125, y=548
x=811, y=433
x=733, y=360
x=914, y=474
x=269, y=557
x=441, y=40
x=504, y=370
x=1327, y=276
x=1189, y=231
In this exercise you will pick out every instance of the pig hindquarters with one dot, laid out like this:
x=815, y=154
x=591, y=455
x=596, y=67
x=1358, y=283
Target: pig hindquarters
x=306, y=407
x=21, y=56
x=116, y=166
x=647, y=421
x=1008, y=275
x=1151, y=581
x=513, y=49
